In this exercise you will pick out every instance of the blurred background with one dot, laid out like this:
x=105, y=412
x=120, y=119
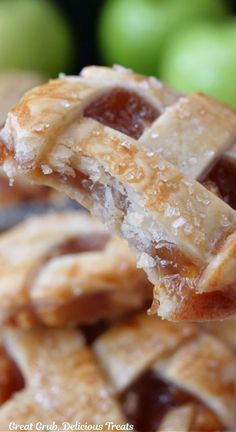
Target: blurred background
x=189, y=44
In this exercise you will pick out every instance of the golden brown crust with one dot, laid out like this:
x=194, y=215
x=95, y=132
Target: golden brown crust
x=195, y=361
x=64, y=268
x=127, y=183
x=53, y=362
x=70, y=381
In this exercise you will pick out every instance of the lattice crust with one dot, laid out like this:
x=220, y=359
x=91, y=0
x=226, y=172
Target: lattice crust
x=101, y=139
x=62, y=380
x=65, y=268
x=156, y=375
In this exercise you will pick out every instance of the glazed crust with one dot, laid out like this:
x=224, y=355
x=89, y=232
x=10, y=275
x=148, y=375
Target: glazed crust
x=65, y=268
x=68, y=380
x=127, y=182
x=52, y=361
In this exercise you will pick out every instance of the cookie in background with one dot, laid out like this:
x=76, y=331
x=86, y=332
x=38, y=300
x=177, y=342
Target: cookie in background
x=155, y=375
x=65, y=268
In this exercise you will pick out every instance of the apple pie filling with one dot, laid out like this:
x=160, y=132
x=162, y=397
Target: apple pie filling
x=91, y=242
x=123, y=110
x=222, y=178
x=146, y=401
x=11, y=379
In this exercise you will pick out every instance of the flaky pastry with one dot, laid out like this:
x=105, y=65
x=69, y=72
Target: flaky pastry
x=153, y=375
x=149, y=162
x=65, y=268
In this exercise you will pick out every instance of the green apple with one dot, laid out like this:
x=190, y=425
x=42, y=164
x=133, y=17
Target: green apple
x=133, y=32
x=34, y=36
x=202, y=58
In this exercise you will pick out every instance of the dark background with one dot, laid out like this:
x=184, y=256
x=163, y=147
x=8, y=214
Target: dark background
x=82, y=14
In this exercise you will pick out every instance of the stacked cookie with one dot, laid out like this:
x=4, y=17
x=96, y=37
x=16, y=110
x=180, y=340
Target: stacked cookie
x=78, y=349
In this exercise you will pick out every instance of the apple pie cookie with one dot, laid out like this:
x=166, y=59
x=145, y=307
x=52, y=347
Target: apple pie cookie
x=156, y=166
x=65, y=268
x=153, y=375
